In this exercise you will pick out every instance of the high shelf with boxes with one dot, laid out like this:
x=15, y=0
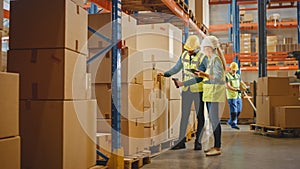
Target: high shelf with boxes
x=57, y=114
x=150, y=109
x=277, y=45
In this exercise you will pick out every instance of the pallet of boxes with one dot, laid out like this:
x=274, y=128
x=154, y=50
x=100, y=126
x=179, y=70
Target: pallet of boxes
x=132, y=88
x=278, y=105
x=57, y=114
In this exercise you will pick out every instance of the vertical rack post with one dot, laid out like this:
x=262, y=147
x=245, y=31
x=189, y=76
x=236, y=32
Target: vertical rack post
x=186, y=27
x=230, y=22
x=262, y=47
x=298, y=27
x=236, y=29
x=116, y=75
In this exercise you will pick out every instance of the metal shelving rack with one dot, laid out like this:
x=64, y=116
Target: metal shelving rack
x=236, y=27
x=177, y=7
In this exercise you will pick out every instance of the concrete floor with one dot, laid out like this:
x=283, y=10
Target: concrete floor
x=240, y=150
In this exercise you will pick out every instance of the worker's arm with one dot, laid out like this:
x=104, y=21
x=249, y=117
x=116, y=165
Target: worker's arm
x=175, y=69
x=202, y=67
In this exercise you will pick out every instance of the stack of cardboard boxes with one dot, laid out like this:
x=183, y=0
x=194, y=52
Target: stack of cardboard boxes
x=57, y=115
x=275, y=92
x=271, y=43
x=287, y=45
x=9, y=121
x=245, y=43
x=132, y=88
x=162, y=99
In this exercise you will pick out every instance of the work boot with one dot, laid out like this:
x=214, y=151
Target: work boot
x=235, y=127
x=197, y=146
x=179, y=145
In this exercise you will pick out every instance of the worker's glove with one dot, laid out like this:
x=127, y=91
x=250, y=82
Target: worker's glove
x=167, y=75
x=248, y=90
x=239, y=91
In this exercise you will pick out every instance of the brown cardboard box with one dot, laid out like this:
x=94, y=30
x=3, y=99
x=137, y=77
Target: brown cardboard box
x=282, y=73
x=132, y=100
x=271, y=43
x=103, y=141
x=294, y=90
x=79, y=2
x=65, y=28
x=10, y=151
x=248, y=17
x=273, y=86
x=49, y=73
x=9, y=104
x=131, y=67
x=266, y=107
x=159, y=55
x=58, y=134
x=169, y=36
x=287, y=117
x=148, y=94
x=150, y=74
x=174, y=117
x=132, y=133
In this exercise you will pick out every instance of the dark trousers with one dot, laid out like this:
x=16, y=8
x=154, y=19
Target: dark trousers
x=187, y=99
x=213, y=110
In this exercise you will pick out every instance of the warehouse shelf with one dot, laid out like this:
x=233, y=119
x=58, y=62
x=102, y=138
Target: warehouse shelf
x=249, y=2
x=171, y=7
x=218, y=2
x=255, y=68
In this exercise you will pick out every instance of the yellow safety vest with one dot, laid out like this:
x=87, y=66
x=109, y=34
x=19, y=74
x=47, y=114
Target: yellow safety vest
x=235, y=82
x=214, y=91
x=194, y=63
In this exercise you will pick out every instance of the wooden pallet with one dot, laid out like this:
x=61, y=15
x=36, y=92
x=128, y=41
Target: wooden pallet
x=275, y=131
x=137, y=160
x=162, y=147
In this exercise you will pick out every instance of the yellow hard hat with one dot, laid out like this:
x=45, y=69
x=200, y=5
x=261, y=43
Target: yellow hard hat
x=192, y=43
x=234, y=66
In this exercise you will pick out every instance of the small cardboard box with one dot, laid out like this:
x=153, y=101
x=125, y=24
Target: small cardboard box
x=273, y=86
x=10, y=153
x=9, y=104
x=287, y=116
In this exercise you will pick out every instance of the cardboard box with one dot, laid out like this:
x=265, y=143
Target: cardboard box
x=58, y=134
x=174, y=117
x=9, y=104
x=282, y=73
x=271, y=43
x=132, y=133
x=150, y=74
x=80, y=2
x=159, y=55
x=49, y=73
x=132, y=100
x=66, y=28
x=148, y=95
x=131, y=67
x=266, y=107
x=10, y=151
x=287, y=116
x=104, y=142
x=273, y=86
x=169, y=36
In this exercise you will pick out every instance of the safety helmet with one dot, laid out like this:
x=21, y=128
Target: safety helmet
x=234, y=66
x=192, y=43
x=210, y=41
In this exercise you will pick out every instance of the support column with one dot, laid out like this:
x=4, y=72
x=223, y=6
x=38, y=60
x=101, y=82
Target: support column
x=262, y=40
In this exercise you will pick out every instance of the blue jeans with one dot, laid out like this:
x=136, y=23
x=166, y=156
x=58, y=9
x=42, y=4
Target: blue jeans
x=235, y=106
x=213, y=111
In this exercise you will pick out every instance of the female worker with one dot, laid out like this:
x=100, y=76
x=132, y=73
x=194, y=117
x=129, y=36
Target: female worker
x=214, y=88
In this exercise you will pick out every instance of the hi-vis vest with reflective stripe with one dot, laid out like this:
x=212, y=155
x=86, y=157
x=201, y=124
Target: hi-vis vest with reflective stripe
x=214, y=90
x=194, y=63
x=235, y=83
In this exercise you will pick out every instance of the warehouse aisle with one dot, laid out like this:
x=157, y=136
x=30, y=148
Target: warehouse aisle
x=241, y=150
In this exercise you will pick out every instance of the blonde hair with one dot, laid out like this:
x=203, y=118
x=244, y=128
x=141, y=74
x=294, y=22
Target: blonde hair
x=216, y=45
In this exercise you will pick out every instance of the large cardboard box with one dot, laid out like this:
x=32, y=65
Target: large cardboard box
x=131, y=67
x=174, y=117
x=10, y=153
x=9, y=104
x=266, y=107
x=132, y=133
x=273, y=86
x=287, y=116
x=168, y=36
x=271, y=43
x=49, y=73
x=132, y=100
x=64, y=28
x=58, y=134
x=104, y=143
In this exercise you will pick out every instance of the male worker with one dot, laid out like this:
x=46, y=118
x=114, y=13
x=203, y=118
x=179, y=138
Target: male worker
x=192, y=90
x=233, y=82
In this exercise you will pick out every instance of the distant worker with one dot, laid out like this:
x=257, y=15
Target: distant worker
x=297, y=74
x=214, y=93
x=192, y=90
x=234, y=94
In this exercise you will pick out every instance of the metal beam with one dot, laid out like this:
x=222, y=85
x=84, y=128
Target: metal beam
x=298, y=20
x=236, y=29
x=186, y=27
x=116, y=75
x=230, y=22
x=262, y=40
